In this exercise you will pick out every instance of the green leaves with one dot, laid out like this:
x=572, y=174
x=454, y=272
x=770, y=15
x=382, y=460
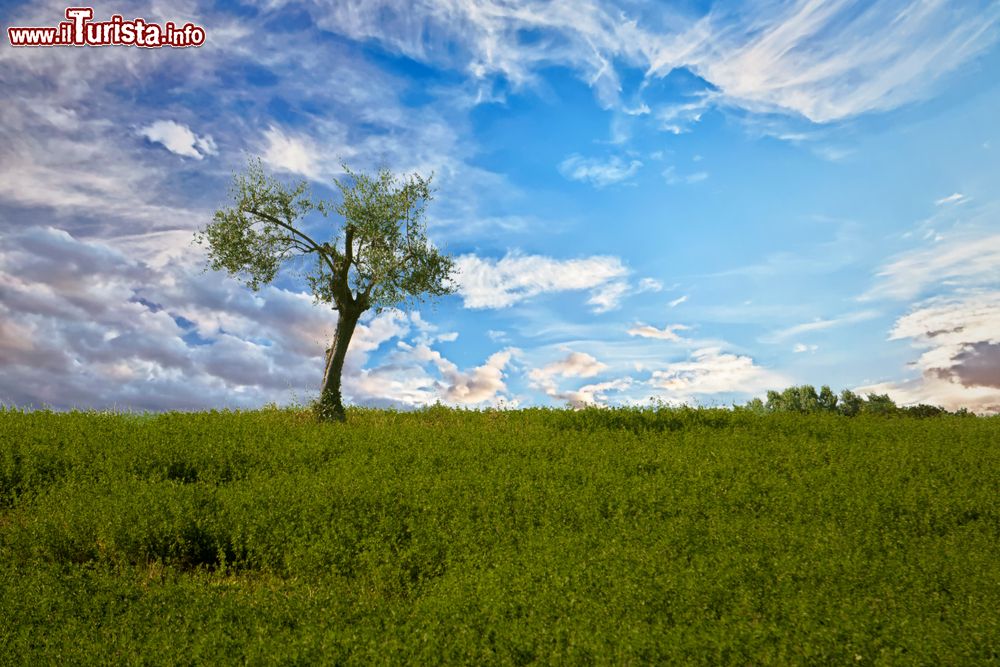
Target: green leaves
x=385, y=258
x=392, y=261
x=251, y=238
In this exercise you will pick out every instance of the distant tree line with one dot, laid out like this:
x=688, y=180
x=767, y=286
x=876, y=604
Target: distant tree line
x=805, y=399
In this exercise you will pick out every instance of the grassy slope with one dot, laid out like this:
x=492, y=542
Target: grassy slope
x=681, y=536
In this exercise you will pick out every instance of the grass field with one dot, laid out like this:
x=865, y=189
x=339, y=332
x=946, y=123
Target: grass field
x=616, y=536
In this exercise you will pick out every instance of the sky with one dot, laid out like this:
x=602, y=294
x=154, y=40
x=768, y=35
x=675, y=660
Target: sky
x=648, y=202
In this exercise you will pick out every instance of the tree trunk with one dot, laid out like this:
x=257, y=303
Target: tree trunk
x=331, y=408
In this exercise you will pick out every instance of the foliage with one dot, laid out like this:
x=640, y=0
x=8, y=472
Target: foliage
x=381, y=251
x=685, y=536
x=805, y=400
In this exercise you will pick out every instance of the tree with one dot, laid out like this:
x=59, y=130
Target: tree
x=850, y=403
x=382, y=258
x=793, y=399
x=827, y=399
x=879, y=404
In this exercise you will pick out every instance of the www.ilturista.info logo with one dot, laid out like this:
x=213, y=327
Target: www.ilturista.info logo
x=79, y=30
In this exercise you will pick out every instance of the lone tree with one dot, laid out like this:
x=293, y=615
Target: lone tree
x=379, y=256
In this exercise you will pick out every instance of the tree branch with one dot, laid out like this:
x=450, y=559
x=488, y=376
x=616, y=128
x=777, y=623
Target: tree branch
x=348, y=251
x=315, y=247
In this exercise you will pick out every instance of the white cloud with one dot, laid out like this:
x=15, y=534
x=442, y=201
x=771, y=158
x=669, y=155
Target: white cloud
x=678, y=301
x=828, y=60
x=486, y=283
x=608, y=296
x=576, y=365
x=823, y=59
x=673, y=178
x=966, y=262
x=960, y=365
x=84, y=324
x=650, y=285
x=678, y=118
x=819, y=324
x=51, y=165
x=483, y=384
x=290, y=153
x=955, y=198
x=597, y=172
x=179, y=139
x=802, y=347
x=711, y=371
x=668, y=332
x=592, y=394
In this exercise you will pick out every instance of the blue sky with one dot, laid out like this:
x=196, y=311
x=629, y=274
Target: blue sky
x=689, y=202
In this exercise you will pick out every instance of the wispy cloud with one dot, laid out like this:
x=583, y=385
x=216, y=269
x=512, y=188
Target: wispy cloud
x=831, y=60
x=969, y=261
x=819, y=324
x=678, y=301
x=489, y=283
x=598, y=172
x=290, y=153
x=668, y=332
x=608, y=296
x=955, y=198
x=650, y=285
x=671, y=176
x=824, y=60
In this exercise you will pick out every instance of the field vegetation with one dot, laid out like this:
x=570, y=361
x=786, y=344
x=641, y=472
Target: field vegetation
x=624, y=536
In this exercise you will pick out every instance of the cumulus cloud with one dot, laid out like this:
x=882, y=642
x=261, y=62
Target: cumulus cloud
x=577, y=365
x=482, y=384
x=960, y=363
x=712, y=371
x=83, y=324
x=599, y=173
x=418, y=375
x=488, y=283
x=179, y=139
x=592, y=394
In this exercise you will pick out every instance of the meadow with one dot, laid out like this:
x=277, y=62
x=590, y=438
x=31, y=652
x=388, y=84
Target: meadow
x=627, y=536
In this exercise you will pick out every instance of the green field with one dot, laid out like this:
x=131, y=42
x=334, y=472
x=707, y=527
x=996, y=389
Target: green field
x=600, y=536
